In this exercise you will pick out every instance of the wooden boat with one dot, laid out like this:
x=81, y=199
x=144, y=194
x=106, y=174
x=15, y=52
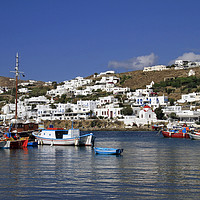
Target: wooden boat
x=22, y=128
x=9, y=143
x=108, y=151
x=59, y=136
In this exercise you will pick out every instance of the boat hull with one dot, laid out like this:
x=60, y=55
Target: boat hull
x=194, y=136
x=108, y=151
x=175, y=135
x=13, y=144
x=18, y=144
x=4, y=144
x=84, y=140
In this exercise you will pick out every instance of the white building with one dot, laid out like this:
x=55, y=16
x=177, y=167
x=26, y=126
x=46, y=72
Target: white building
x=191, y=97
x=108, y=80
x=146, y=117
x=108, y=111
x=155, y=68
x=23, y=90
x=107, y=100
x=106, y=73
x=37, y=100
x=154, y=101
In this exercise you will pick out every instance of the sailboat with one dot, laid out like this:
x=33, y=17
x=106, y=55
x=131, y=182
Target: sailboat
x=12, y=138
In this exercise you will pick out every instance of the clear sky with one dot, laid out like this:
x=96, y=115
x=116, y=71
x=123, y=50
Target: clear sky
x=59, y=40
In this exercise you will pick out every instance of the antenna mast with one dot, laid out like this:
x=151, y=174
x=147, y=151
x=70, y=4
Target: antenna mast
x=17, y=73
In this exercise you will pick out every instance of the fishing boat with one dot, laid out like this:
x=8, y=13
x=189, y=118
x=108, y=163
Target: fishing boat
x=10, y=143
x=176, y=132
x=59, y=136
x=4, y=144
x=22, y=128
x=107, y=151
x=194, y=135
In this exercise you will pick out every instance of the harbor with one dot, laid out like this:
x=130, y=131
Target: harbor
x=150, y=167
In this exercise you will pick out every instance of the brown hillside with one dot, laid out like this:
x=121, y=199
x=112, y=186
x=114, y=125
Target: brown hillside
x=7, y=82
x=140, y=79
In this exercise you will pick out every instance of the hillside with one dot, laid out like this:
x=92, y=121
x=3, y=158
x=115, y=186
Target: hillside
x=139, y=79
x=7, y=82
x=134, y=79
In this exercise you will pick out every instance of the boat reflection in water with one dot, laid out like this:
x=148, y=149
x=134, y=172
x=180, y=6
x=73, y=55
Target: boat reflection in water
x=151, y=168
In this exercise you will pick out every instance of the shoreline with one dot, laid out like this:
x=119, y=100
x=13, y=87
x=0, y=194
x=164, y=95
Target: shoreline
x=117, y=129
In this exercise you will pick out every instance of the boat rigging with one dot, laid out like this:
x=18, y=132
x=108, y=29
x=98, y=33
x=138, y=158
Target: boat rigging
x=17, y=74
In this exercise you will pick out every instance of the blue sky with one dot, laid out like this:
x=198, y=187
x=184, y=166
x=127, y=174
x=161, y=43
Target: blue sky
x=59, y=40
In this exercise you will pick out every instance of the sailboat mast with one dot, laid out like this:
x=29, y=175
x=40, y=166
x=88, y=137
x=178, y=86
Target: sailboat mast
x=17, y=73
x=16, y=80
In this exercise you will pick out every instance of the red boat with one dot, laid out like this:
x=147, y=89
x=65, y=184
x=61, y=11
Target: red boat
x=10, y=143
x=177, y=133
x=19, y=144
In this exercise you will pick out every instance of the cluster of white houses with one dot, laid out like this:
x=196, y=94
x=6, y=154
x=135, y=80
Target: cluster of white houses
x=143, y=103
x=179, y=64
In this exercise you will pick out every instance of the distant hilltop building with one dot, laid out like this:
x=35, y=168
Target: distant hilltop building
x=155, y=68
x=105, y=73
x=185, y=64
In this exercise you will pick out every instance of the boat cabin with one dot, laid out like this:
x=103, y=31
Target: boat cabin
x=59, y=133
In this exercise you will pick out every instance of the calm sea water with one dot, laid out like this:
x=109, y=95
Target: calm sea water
x=151, y=167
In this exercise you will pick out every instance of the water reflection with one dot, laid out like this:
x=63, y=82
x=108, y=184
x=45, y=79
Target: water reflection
x=150, y=167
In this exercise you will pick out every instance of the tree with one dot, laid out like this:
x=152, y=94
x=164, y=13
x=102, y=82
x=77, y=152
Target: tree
x=171, y=100
x=173, y=116
x=69, y=110
x=127, y=110
x=54, y=84
x=159, y=113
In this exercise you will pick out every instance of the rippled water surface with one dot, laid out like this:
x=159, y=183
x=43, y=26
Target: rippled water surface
x=151, y=167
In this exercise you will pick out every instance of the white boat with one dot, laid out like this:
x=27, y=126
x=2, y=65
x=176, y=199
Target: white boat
x=194, y=136
x=4, y=144
x=60, y=136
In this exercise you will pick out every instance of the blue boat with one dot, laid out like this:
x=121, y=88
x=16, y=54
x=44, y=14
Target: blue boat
x=108, y=151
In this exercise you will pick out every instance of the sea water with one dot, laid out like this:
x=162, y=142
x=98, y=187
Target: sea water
x=151, y=167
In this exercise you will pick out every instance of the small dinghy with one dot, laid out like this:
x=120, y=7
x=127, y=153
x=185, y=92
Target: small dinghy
x=110, y=151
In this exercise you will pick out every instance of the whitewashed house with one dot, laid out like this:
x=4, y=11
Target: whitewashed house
x=107, y=100
x=3, y=90
x=172, y=109
x=108, y=80
x=191, y=97
x=23, y=90
x=154, y=101
x=108, y=111
x=37, y=100
x=106, y=73
x=155, y=68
